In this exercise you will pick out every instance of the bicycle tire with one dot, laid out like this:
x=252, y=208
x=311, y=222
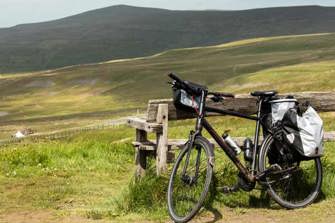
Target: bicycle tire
x=202, y=143
x=310, y=197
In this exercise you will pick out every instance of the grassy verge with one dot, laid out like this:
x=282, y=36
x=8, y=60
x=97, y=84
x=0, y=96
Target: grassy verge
x=90, y=176
x=148, y=196
x=80, y=174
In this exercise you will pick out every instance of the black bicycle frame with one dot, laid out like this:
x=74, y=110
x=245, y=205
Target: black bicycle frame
x=202, y=122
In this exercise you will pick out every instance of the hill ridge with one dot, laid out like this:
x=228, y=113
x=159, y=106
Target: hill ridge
x=125, y=6
x=119, y=32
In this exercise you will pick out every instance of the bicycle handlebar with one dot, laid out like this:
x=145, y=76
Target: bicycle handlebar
x=175, y=77
x=195, y=90
x=184, y=84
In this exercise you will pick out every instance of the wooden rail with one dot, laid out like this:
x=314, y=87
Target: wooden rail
x=321, y=101
x=160, y=111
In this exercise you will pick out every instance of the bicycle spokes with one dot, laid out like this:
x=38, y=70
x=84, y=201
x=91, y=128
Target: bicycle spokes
x=292, y=183
x=189, y=181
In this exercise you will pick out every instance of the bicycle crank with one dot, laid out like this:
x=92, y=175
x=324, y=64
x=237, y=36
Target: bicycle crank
x=241, y=184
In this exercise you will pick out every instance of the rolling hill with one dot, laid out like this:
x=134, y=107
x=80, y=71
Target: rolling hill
x=125, y=32
x=80, y=94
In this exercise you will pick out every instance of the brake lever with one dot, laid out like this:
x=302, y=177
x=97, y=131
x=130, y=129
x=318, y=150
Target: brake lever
x=171, y=83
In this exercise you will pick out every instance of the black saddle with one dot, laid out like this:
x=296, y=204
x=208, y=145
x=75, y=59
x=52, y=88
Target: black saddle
x=264, y=93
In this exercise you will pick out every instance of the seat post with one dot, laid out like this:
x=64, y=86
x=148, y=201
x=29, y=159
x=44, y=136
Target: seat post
x=259, y=106
x=256, y=137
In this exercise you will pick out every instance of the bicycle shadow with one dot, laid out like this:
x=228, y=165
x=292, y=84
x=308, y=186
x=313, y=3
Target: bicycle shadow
x=209, y=205
x=261, y=200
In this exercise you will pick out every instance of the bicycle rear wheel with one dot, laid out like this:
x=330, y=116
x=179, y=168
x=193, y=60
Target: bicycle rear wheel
x=295, y=183
x=190, y=180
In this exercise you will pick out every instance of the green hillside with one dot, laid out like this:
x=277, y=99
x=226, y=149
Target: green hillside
x=318, y=76
x=124, y=32
x=84, y=94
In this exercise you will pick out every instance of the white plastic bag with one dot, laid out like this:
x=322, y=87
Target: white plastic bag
x=280, y=107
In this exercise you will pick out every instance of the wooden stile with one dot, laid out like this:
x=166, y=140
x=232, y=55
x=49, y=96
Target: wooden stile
x=140, y=155
x=162, y=139
x=160, y=111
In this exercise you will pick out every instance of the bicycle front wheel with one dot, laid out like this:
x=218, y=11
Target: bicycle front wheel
x=190, y=180
x=295, y=183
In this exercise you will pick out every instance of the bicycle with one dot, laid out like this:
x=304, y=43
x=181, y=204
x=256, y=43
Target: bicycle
x=271, y=164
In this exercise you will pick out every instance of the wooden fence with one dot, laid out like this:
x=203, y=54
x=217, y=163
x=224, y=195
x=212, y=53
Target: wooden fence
x=159, y=112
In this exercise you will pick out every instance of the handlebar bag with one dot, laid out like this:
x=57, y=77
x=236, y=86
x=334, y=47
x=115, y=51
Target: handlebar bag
x=185, y=101
x=304, y=132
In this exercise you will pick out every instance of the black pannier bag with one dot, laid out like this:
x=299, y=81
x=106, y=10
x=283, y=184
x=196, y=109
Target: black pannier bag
x=301, y=130
x=304, y=131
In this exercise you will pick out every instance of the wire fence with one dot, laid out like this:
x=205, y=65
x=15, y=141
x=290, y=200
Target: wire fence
x=65, y=133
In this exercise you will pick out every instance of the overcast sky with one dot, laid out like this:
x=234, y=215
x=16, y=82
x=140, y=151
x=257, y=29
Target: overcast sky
x=13, y=12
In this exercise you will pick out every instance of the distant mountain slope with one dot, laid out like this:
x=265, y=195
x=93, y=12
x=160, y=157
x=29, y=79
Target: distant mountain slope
x=124, y=31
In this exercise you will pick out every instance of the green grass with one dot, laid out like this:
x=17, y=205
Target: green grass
x=78, y=174
x=148, y=196
x=91, y=176
x=313, y=76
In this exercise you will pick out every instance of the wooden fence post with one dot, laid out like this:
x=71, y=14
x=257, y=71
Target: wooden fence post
x=140, y=155
x=162, y=139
